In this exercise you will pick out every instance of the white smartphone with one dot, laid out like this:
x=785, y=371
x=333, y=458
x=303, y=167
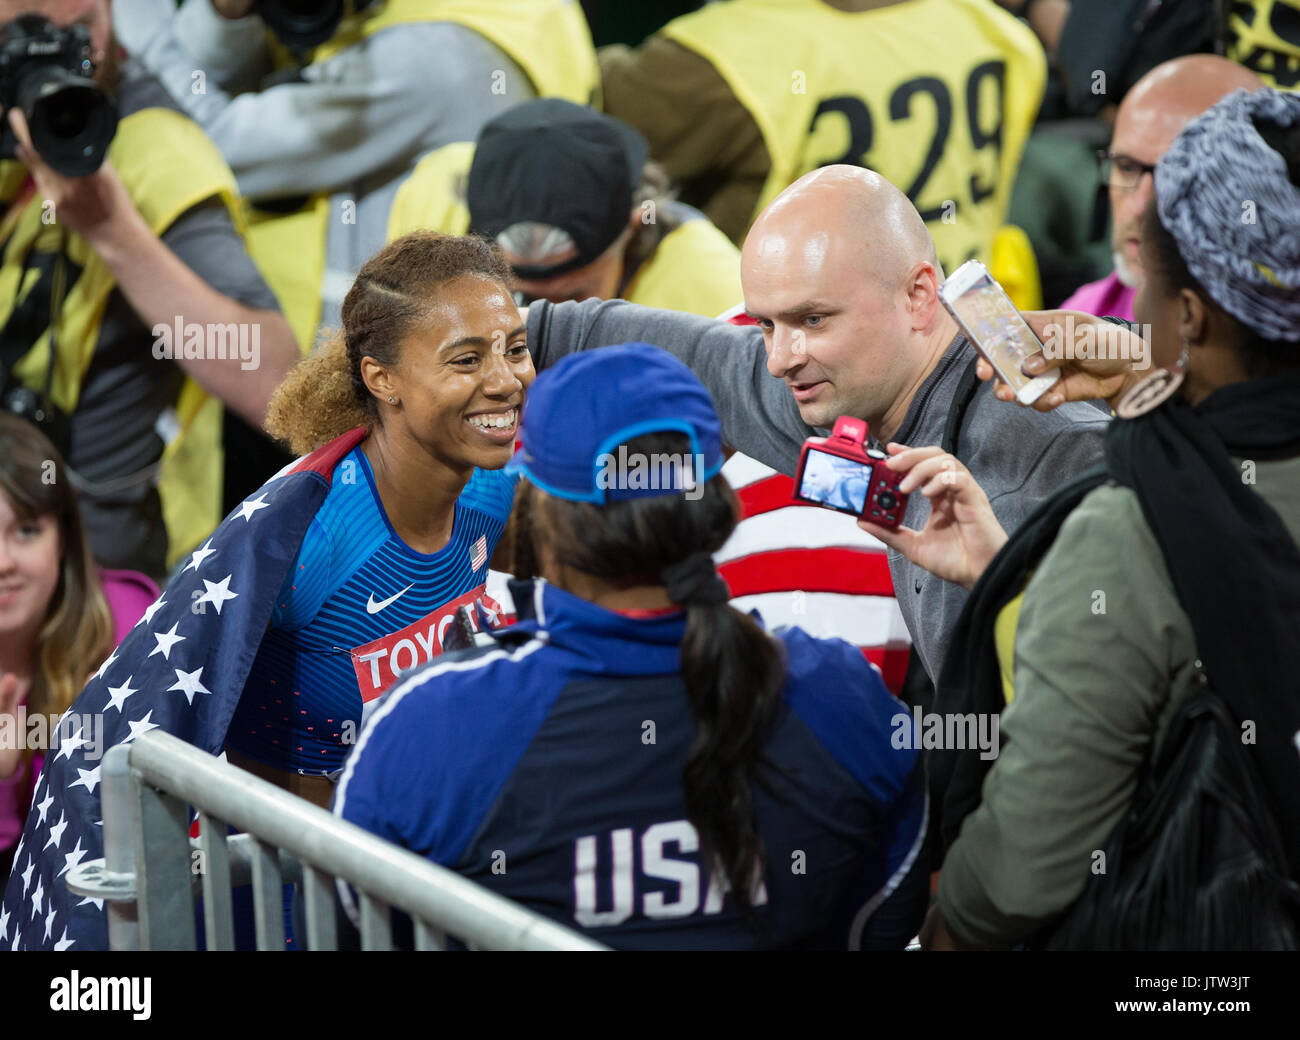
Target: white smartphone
x=992, y=323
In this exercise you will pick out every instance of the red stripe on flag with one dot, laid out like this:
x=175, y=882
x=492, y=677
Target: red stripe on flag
x=892, y=662
x=327, y=456
x=762, y=496
x=854, y=572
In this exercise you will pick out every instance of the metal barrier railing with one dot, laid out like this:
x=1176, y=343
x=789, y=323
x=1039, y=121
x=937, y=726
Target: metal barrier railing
x=147, y=876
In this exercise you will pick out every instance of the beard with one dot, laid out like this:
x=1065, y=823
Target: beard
x=108, y=70
x=1129, y=276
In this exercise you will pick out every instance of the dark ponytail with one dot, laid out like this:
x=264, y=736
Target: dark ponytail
x=732, y=669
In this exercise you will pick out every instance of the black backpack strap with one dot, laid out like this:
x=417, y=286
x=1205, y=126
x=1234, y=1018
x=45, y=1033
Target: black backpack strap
x=971, y=679
x=961, y=400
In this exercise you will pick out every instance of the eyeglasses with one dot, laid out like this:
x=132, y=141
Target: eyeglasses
x=1121, y=171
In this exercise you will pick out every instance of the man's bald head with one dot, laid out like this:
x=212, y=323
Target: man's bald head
x=841, y=274
x=1175, y=92
x=1152, y=114
x=845, y=215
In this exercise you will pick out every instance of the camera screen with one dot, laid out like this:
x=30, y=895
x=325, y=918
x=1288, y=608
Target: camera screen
x=835, y=482
x=1001, y=333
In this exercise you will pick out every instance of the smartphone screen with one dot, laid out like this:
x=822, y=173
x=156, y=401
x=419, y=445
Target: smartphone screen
x=835, y=482
x=990, y=319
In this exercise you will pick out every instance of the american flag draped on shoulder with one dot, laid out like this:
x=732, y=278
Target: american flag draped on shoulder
x=181, y=669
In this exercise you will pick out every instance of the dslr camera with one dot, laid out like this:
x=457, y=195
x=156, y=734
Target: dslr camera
x=840, y=472
x=46, y=72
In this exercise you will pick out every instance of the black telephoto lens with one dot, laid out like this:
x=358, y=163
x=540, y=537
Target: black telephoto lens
x=72, y=121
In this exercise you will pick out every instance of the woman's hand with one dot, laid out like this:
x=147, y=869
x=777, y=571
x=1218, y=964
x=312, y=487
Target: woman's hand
x=961, y=535
x=10, y=757
x=1107, y=375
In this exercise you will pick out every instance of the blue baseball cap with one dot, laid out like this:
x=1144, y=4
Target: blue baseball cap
x=580, y=410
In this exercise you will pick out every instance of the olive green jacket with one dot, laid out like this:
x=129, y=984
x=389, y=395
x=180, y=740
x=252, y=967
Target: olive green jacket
x=1103, y=652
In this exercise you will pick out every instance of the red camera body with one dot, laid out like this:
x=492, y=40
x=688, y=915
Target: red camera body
x=840, y=472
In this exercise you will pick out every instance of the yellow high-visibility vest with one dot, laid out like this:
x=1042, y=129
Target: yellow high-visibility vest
x=548, y=39
x=938, y=96
x=168, y=165
x=695, y=267
x=1266, y=40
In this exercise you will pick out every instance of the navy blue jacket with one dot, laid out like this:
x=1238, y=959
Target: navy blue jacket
x=548, y=768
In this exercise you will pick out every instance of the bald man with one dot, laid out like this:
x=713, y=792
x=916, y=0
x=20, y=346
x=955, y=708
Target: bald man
x=1151, y=115
x=840, y=277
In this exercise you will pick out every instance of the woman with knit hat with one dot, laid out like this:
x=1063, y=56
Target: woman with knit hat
x=1144, y=626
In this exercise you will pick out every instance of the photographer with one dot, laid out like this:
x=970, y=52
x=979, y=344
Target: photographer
x=94, y=260
x=569, y=196
x=321, y=116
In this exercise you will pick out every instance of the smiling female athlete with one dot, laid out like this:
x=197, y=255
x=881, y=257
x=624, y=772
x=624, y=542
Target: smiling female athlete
x=431, y=364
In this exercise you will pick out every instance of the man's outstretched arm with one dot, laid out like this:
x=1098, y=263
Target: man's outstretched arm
x=759, y=415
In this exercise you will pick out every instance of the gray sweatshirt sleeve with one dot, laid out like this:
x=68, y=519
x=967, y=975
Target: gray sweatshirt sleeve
x=759, y=414
x=378, y=103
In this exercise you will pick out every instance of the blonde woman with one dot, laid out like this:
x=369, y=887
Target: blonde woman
x=60, y=615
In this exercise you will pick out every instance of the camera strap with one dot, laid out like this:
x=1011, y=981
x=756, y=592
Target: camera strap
x=18, y=335
x=966, y=387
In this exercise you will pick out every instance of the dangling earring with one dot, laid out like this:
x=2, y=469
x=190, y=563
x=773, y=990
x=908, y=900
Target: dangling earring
x=391, y=401
x=1155, y=389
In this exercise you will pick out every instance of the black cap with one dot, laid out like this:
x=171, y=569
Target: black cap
x=556, y=163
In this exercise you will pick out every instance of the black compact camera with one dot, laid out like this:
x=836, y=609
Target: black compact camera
x=45, y=71
x=303, y=24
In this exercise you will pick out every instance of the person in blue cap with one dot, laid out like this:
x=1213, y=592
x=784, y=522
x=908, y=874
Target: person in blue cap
x=635, y=758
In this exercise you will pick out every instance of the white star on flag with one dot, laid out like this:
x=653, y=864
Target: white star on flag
x=73, y=858
x=37, y=897
x=199, y=556
x=42, y=808
x=141, y=726
x=87, y=778
x=218, y=592
x=49, y=922
x=27, y=874
x=65, y=942
x=189, y=683
x=56, y=832
x=4, y=925
x=108, y=661
x=98, y=903
x=248, y=508
x=70, y=744
x=117, y=695
x=153, y=609
x=166, y=640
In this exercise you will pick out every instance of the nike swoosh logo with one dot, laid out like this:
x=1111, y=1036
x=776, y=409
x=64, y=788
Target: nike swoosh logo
x=374, y=608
